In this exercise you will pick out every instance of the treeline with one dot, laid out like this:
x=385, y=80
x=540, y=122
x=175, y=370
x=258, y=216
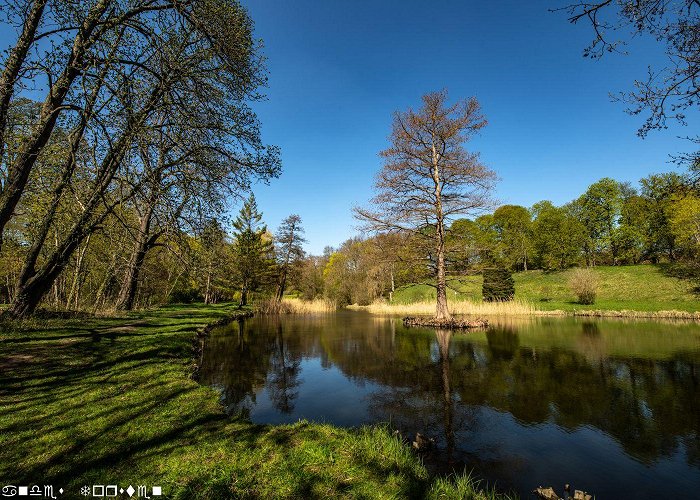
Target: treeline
x=125, y=128
x=611, y=223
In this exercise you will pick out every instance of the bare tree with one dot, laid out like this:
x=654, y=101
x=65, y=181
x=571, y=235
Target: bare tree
x=289, y=240
x=428, y=178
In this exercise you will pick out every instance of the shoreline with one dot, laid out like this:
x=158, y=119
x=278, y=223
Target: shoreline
x=124, y=385
x=521, y=309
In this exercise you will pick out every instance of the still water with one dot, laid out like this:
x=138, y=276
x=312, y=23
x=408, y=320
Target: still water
x=611, y=407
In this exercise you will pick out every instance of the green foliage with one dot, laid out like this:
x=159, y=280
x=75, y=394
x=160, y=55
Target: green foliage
x=558, y=236
x=635, y=288
x=253, y=250
x=659, y=191
x=684, y=222
x=513, y=225
x=599, y=209
x=498, y=285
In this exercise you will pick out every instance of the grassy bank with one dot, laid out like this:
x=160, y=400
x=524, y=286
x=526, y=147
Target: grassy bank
x=641, y=291
x=110, y=401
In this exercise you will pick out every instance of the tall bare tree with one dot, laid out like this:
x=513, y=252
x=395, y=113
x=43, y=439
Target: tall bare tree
x=288, y=240
x=429, y=177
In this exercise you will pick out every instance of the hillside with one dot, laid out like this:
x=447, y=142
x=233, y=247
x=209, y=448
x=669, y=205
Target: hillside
x=639, y=288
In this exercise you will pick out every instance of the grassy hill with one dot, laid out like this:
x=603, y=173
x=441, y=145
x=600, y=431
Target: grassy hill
x=638, y=288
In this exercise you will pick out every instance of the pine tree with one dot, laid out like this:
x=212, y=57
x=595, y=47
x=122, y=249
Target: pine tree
x=253, y=250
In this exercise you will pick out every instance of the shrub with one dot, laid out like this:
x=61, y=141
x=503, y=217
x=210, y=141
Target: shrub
x=498, y=285
x=584, y=284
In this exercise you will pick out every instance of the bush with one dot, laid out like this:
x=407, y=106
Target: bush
x=584, y=284
x=185, y=296
x=498, y=285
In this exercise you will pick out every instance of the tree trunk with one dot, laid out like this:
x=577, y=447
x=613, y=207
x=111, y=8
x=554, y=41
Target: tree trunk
x=441, y=311
x=244, y=297
x=207, y=290
x=74, y=296
x=33, y=285
x=13, y=64
x=143, y=243
x=282, y=285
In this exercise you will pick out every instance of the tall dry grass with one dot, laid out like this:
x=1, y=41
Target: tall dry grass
x=459, y=307
x=514, y=308
x=674, y=315
x=295, y=306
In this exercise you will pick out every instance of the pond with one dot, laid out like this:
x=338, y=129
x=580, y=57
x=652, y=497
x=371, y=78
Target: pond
x=612, y=407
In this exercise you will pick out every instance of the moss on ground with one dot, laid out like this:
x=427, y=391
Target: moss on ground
x=110, y=401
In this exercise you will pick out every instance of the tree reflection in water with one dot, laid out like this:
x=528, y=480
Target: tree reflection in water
x=482, y=395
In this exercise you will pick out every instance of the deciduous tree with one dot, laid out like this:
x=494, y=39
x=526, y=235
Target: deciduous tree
x=429, y=178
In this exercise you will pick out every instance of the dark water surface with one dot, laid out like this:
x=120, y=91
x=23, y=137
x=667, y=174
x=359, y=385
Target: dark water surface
x=611, y=407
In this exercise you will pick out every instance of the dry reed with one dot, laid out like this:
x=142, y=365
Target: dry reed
x=639, y=314
x=513, y=308
x=459, y=307
x=295, y=306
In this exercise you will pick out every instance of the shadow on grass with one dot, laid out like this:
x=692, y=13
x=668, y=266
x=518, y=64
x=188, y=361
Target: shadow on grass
x=689, y=271
x=109, y=400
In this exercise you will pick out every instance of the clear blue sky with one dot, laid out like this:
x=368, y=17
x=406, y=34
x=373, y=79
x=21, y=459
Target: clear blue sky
x=338, y=69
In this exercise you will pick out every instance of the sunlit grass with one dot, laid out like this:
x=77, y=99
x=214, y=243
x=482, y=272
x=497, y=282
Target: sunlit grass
x=110, y=401
x=642, y=291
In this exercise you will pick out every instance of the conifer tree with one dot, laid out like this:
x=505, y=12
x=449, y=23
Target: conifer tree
x=252, y=249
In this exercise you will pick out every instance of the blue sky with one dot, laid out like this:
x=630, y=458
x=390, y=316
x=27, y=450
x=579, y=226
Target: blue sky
x=339, y=69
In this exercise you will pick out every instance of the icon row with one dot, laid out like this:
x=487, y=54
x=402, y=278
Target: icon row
x=45, y=491
x=113, y=490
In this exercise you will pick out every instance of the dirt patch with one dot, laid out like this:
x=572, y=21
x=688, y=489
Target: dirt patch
x=14, y=361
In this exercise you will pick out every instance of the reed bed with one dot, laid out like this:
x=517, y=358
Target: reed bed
x=640, y=314
x=295, y=306
x=514, y=308
x=459, y=307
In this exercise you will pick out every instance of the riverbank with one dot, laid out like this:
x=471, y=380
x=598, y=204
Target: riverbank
x=643, y=291
x=516, y=308
x=111, y=401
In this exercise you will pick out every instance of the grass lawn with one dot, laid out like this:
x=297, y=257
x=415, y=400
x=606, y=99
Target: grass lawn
x=638, y=288
x=110, y=401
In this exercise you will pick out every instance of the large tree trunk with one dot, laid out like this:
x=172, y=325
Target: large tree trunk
x=31, y=292
x=244, y=297
x=282, y=285
x=144, y=242
x=283, y=277
x=33, y=285
x=441, y=311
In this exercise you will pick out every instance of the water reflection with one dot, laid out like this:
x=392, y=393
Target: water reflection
x=608, y=406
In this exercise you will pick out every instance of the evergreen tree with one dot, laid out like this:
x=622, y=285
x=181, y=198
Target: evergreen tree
x=253, y=250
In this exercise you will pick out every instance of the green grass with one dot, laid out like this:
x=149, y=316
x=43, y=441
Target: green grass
x=633, y=288
x=110, y=401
